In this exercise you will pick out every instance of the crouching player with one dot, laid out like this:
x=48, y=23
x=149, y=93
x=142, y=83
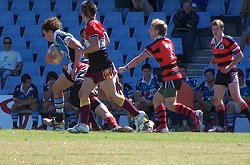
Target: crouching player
x=96, y=105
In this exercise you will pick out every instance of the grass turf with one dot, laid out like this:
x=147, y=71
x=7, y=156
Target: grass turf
x=61, y=147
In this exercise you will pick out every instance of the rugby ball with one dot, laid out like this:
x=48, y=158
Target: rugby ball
x=54, y=56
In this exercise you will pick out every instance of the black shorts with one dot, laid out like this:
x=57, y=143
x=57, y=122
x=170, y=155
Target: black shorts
x=225, y=79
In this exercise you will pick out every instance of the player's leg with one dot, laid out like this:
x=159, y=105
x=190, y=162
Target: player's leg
x=219, y=92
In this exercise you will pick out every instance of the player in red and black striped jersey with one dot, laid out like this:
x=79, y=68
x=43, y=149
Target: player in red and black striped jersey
x=227, y=55
x=162, y=49
x=101, y=71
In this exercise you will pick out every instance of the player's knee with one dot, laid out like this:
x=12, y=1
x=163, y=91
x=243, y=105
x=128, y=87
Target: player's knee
x=119, y=100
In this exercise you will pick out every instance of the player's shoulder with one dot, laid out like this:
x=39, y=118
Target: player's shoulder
x=228, y=38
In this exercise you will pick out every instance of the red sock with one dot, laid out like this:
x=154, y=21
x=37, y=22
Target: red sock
x=243, y=106
x=128, y=106
x=162, y=115
x=84, y=114
x=111, y=120
x=184, y=110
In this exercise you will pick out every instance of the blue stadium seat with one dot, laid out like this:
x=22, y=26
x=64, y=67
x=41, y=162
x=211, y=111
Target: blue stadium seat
x=141, y=33
x=154, y=64
x=26, y=55
x=46, y=15
x=177, y=46
x=75, y=31
x=106, y=6
x=38, y=44
x=31, y=68
x=128, y=44
x=134, y=19
x=204, y=21
x=6, y=18
x=55, y=68
x=19, y=6
x=62, y=6
x=11, y=82
x=32, y=31
x=116, y=56
x=3, y=5
x=145, y=43
x=171, y=6
x=42, y=6
x=153, y=15
x=131, y=81
x=111, y=45
x=11, y=30
x=69, y=18
x=170, y=26
x=18, y=43
x=137, y=71
x=131, y=54
x=112, y=19
x=26, y=18
x=216, y=7
x=120, y=32
x=234, y=8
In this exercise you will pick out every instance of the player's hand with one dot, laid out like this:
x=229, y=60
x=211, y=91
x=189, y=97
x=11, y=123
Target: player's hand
x=122, y=69
x=225, y=70
x=72, y=74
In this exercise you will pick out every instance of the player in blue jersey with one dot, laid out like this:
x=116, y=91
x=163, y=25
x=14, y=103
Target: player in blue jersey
x=146, y=88
x=67, y=46
x=25, y=97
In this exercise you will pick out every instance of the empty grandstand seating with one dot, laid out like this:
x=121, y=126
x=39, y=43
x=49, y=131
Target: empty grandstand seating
x=112, y=19
x=19, y=6
x=216, y=8
x=234, y=8
x=204, y=21
x=40, y=7
x=26, y=18
x=153, y=15
x=134, y=19
x=171, y=6
x=6, y=18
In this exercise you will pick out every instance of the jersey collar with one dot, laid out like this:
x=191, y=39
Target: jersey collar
x=214, y=42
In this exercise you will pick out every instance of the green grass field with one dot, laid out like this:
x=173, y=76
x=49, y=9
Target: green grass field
x=60, y=147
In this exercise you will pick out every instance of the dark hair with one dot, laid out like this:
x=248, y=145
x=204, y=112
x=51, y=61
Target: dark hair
x=89, y=9
x=240, y=73
x=5, y=38
x=25, y=77
x=146, y=66
x=52, y=23
x=209, y=70
x=51, y=75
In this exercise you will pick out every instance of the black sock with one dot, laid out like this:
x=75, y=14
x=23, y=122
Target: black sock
x=221, y=118
x=59, y=117
x=246, y=112
x=15, y=125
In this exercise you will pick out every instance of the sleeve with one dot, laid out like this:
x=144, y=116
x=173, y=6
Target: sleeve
x=15, y=94
x=138, y=86
x=93, y=30
x=18, y=57
x=234, y=47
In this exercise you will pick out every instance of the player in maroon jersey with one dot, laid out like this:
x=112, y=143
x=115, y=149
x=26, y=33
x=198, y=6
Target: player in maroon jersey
x=162, y=49
x=101, y=71
x=227, y=55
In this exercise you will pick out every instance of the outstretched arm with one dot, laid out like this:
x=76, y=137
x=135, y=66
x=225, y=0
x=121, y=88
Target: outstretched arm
x=134, y=62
